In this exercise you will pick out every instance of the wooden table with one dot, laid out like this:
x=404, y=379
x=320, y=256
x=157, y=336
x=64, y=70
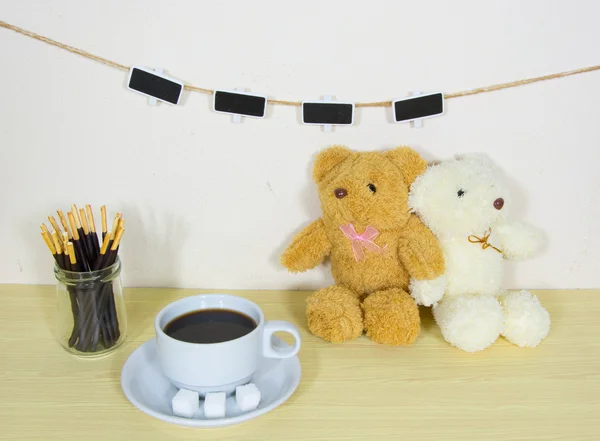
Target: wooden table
x=355, y=391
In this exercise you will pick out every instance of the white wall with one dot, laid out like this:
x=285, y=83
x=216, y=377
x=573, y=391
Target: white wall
x=210, y=204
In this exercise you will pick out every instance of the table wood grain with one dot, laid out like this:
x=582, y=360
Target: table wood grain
x=355, y=391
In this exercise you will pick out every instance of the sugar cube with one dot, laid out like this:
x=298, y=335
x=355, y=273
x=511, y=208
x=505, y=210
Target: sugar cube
x=214, y=405
x=185, y=403
x=247, y=397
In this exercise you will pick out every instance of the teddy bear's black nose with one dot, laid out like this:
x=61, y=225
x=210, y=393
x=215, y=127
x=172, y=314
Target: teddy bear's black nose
x=340, y=193
x=499, y=203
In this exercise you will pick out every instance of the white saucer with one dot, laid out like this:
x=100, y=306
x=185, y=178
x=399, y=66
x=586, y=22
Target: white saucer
x=150, y=391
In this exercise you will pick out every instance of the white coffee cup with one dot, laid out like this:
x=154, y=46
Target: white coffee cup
x=218, y=367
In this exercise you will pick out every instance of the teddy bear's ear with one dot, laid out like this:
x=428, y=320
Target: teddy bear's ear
x=408, y=161
x=477, y=159
x=328, y=159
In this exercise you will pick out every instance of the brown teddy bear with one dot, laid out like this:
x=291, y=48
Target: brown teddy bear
x=376, y=246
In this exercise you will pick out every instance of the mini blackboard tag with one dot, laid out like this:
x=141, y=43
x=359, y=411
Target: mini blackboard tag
x=155, y=85
x=327, y=113
x=239, y=103
x=418, y=107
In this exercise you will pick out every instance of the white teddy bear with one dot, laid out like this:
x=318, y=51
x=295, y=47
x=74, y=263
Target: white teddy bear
x=465, y=204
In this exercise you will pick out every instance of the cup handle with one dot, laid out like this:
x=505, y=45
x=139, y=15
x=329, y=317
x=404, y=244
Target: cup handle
x=273, y=326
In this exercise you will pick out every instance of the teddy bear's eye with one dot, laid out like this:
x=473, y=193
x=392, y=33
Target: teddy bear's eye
x=460, y=193
x=372, y=188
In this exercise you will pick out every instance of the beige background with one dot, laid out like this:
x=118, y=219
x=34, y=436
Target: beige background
x=209, y=203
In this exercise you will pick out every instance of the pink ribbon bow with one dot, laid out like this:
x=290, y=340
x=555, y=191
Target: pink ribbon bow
x=364, y=240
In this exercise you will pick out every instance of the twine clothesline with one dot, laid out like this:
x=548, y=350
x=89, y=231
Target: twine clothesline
x=386, y=103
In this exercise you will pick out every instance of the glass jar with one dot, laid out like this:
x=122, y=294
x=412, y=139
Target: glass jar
x=91, y=317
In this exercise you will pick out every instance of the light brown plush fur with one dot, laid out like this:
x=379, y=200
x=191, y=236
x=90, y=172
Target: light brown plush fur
x=370, y=294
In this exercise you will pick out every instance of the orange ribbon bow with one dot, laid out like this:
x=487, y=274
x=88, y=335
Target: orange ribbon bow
x=484, y=241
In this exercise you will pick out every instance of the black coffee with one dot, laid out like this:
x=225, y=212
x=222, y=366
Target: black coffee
x=210, y=326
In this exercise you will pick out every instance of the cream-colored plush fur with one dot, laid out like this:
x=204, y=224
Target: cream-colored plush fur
x=465, y=203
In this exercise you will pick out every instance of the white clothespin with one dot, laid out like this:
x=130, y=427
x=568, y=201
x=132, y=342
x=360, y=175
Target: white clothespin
x=151, y=100
x=416, y=123
x=327, y=127
x=235, y=118
x=327, y=113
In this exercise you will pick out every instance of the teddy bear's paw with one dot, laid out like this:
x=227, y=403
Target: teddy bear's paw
x=334, y=314
x=471, y=323
x=391, y=317
x=527, y=321
x=428, y=292
x=519, y=240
